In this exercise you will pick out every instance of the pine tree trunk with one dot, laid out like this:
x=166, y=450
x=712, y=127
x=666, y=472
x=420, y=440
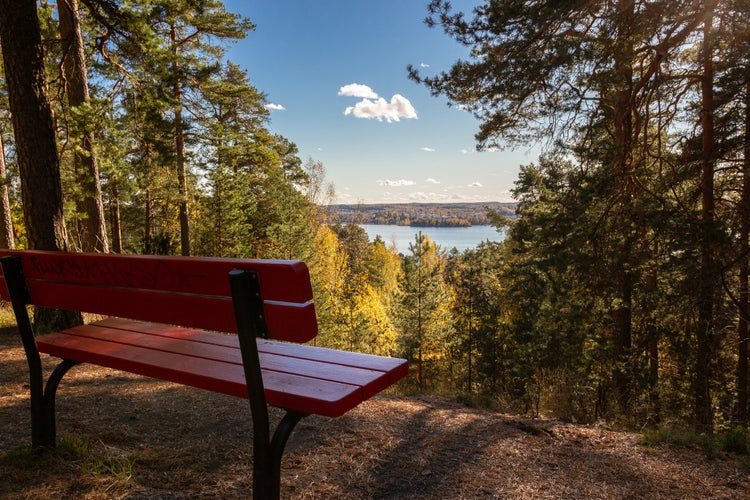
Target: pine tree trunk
x=36, y=149
x=742, y=325
x=623, y=166
x=180, y=152
x=703, y=412
x=652, y=345
x=147, y=218
x=6, y=222
x=114, y=217
x=33, y=125
x=92, y=229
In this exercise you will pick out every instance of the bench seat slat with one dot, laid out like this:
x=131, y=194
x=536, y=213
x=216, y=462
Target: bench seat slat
x=395, y=368
x=287, y=390
x=370, y=380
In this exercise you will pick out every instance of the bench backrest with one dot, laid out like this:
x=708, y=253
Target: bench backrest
x=185, y=291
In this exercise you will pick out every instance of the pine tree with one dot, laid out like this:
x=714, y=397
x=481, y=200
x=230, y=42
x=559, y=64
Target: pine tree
x=232, y=126
x=424, y=321
x=91, y=228
x=33, y=127
x=168, y=50
x=592, y=76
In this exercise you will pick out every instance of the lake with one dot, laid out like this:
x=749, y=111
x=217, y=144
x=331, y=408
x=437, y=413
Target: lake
x=447, y=237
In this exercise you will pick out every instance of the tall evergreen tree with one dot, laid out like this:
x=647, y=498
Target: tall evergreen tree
x=582, y=74
x=424, y=321
x=7, y=239
x=36, y=149
x=92, y=230
x=7, y=236
x=232, y=126
x=168, y=50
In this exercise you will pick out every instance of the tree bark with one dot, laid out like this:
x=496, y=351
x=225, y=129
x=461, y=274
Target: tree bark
x=92, y=229
x=743, y=333
x=36, y=149
x=180, y=149
x=6, y=221
x=147, y=218
x=703, y=412
x=623, y=168
x=114, y=217
x=33, y=125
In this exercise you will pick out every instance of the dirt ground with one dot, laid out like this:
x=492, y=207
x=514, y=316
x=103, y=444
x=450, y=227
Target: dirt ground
x=126, y=436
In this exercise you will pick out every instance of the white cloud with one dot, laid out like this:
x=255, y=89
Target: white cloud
x=432, y=181
x=429, y=150
x=420, y=196
x=475, y=185
x=393, y=111
x=424, y=65
x=275, y=107
x=465, y=151
x=398, y=183
x=358, y=90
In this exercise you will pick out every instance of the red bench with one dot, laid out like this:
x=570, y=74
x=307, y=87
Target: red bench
x=164, y=315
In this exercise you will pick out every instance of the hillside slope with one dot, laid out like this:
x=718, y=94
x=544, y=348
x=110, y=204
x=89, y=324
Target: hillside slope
x=139, y=438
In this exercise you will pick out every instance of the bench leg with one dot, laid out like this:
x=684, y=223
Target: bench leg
x=42, y=397
x=267, y=456
x=43, y=428
x=50, y=430
x=280, y=437
x=267, y=450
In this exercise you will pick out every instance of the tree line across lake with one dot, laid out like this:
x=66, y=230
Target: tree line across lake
x=621, y=289
x=421, y=214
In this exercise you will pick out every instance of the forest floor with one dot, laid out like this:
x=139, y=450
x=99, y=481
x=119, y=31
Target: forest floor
x=124, y=436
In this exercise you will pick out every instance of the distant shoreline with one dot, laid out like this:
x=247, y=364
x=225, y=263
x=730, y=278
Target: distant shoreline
x=420, y=214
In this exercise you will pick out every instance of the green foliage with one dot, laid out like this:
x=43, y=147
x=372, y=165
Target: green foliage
x=79, y=456
x=628, y=225
x=356, y=312
x=590, y=308
x=673, y=436
x=732, y=440
x=424, y=319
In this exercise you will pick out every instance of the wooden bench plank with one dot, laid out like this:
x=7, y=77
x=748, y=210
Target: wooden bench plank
x=394, y=368
x=280, y=280
x=189, y=292
x=286, y=320
x=370, y=380
x=287, y=390
x=167, y=331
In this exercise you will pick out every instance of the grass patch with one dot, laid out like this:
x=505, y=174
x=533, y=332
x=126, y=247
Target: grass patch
x=118, y=469
x=672, y=436
x=75, y=454
x=730, y=441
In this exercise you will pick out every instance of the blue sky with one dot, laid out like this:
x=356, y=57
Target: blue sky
x=334, y=73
